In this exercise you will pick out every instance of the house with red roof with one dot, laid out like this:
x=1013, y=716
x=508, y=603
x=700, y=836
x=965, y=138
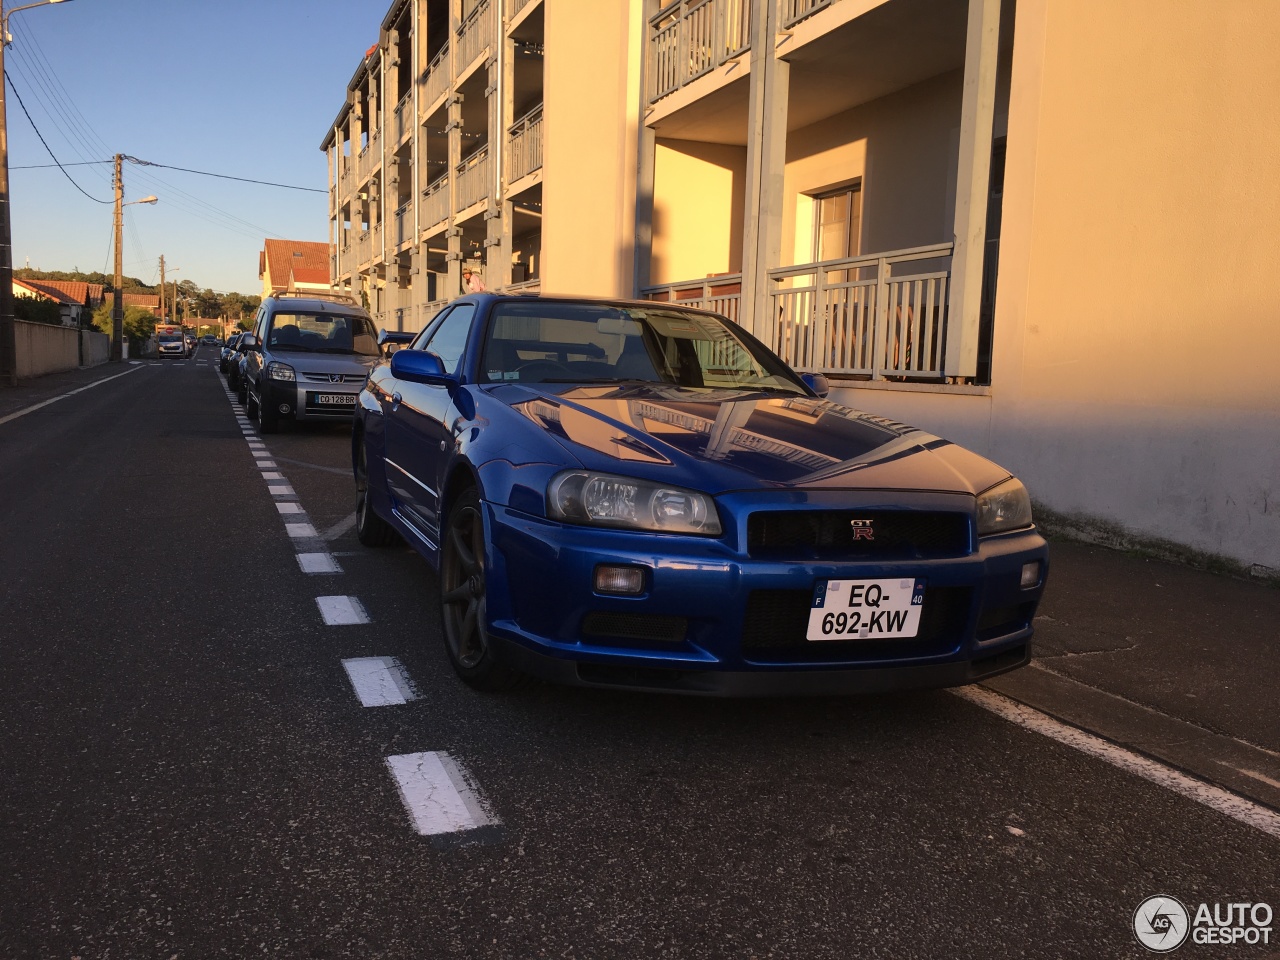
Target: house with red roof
x=294, y=265
x=147, y=301
x=76, y=299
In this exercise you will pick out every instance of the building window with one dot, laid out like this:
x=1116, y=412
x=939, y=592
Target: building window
x=837, y=223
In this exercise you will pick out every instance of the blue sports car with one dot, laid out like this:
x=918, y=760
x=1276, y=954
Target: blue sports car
x=635, y=495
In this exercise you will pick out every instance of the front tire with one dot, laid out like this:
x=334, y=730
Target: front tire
x=268, y=419
x=371, y=529
x=463, y=603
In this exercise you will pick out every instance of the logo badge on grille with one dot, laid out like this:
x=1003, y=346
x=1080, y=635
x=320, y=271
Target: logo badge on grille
x=862, y=529
x=336, y=378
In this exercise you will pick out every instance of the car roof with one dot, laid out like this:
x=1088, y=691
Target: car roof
x=494, y=298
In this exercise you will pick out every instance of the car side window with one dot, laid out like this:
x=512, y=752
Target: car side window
x=418, y=341
x=450, y=338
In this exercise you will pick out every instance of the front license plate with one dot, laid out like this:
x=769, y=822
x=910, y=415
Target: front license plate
x=866, y=609
x=335, y=399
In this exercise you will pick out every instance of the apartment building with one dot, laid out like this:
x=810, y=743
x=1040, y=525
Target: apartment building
x=1042, y=228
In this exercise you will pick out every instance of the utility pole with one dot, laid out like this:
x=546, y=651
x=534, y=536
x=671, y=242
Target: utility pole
x=117, y=301
x=8, y=338
x=162, y=292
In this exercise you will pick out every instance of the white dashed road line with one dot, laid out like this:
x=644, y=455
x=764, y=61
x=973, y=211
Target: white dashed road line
x=438, y=794
x=341, y=611
x=1223, y=801
x=380, y=681
x=318, y=563
x=70, y=393
x=300, y=531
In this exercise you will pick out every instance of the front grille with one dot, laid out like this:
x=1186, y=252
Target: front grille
x=324, y=377
x=776, y=621
x=830, y=535
x=644, y=627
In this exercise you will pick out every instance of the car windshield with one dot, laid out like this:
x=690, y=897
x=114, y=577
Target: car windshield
x=171, y=338
x=547, y=342
x=323, y=333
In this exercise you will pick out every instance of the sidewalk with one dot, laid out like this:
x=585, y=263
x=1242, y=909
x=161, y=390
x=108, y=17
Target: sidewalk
x=1176, y=663
x=39, y=389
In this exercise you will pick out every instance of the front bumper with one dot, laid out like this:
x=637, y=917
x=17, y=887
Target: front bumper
x=301, y=398
x=715, y=621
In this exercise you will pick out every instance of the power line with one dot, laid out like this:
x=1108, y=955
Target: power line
x=49, y=166
x=223, y=176
x=46, y=145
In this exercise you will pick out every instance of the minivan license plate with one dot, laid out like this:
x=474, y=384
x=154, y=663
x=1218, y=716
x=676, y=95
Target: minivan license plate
x=866, y=609
x=336, y=399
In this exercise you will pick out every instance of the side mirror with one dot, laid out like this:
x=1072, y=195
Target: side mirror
x=389, y=341
x=817, y=382
x=247, y=342
x=420, y=366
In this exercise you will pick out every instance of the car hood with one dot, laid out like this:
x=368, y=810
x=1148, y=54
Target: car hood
x=718, y=440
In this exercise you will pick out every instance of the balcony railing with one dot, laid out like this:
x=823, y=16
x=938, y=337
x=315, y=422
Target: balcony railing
x=435, y=202
x=402, y=116
x=403, y=223
x=435, y=82
x=864, y=315
x=370, y=155
x=524, y=286
x=475, y=33
x=722, y=294
x=514, y=7
x=375, y=241
x=793, y=11
x=692, y=37
x=473, y=179
x=363, y=248
x=524, y=145
x=347, y=179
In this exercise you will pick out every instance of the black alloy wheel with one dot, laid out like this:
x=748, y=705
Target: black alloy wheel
x=463, y=605
x=371, y=529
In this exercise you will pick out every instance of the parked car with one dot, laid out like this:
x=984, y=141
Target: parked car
x=228, y=351
x=306, y=358
x=235, y=368
x=636, y=495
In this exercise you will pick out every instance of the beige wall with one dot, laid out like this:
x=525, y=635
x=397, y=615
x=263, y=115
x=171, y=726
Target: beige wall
x=43, y=348
x=1137, y=321
x=592, y=66
x=698, y=197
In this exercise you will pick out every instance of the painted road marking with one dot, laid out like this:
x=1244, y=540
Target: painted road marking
x=279, y=487
x=341, y=611
x=341, y=527
x=318, y=563
x=300, y=531
x=438, y=794
x=71, y=393
x=272, y=475
x=1223, y=801
x=289, y=506
x=380, y=681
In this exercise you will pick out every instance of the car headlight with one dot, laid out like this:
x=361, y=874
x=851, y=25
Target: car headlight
x=1006, y=506
x=602, y=499
x=280, y=371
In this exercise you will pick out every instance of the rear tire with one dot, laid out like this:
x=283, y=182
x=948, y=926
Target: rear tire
x=463, y=604
x=371, y=529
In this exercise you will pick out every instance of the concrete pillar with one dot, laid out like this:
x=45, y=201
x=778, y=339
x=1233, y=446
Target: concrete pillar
x=766, y=164
x=977, y=112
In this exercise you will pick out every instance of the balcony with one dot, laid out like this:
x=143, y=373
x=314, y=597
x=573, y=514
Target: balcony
x=793, y=11
x=524, y=145
x=514, y=7
x=877, y=316
x=375, y=241
x=473, y=179
x=435, y=202
x=402, y=117
x=721, y=294
x=690, y=38
x=370, y=156
x=363, y=248
x=436, y=79
x=475, y=33
x=403, y=223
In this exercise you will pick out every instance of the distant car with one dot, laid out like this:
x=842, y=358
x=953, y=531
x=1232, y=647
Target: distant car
x=169, y=344
x=228, y=350
x=209, y=339
x=307, y=358
x=634, y=495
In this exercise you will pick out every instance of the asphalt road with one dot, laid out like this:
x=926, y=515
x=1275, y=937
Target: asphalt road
x=186, y=770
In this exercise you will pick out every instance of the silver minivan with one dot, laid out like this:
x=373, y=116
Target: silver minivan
x=306, y=358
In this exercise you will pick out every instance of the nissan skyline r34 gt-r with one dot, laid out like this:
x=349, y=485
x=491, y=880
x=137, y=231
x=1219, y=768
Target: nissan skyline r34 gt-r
x=635, y=495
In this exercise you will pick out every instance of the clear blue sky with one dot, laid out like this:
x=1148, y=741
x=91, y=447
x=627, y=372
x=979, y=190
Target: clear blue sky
x=246, y=88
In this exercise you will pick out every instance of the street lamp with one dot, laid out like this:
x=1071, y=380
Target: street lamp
x=117, y=298
x=8, y=342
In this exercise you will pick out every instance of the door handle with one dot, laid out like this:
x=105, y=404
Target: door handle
x=395, y=399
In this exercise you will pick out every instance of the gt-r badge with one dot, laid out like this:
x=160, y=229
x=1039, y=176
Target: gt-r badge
x=862, y=529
